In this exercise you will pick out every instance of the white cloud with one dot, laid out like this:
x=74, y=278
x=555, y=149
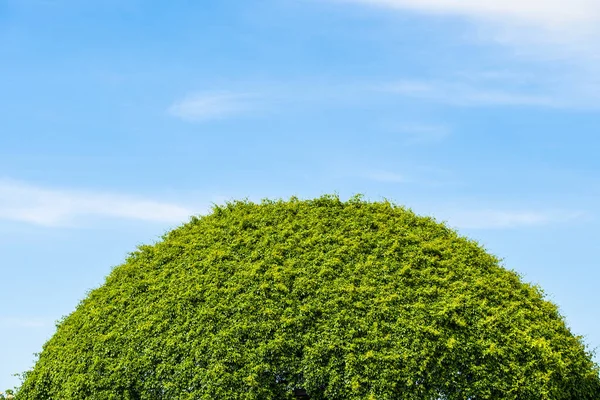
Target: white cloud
x=506, y=219
x=418, y=175
x=461, y=94
x=559, y=40
x=51, y=207
x=562, y=15
x=551, y=30
x=208, y=106
x=24, y=322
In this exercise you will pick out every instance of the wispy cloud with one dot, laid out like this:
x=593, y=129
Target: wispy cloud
x=539, y=12
x=413, y=175
x=53, y=207
x=573, y=16
x=463, y=94
x=507, y=219
x=209, y=106
x=24, y=322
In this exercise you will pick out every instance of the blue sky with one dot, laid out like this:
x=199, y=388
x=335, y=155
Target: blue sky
x=121, y=118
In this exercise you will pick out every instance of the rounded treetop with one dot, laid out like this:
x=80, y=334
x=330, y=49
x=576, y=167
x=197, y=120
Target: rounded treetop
x=342, y=300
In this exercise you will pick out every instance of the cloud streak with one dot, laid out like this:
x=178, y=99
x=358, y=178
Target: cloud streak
x=24, y=322
x=507, y=219
x=550, y=30
x=461, y=94
x=575, y=15
x=210, y=106
x=52, y=207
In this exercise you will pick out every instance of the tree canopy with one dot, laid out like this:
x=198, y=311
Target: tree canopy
x=343, y=299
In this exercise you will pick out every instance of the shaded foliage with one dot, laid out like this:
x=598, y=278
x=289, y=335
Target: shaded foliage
x=347, y=300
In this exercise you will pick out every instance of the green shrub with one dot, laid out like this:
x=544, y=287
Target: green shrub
x=8, y=395
x=347, y=300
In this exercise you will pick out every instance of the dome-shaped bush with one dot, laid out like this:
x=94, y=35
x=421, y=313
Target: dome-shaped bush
x=345, y=300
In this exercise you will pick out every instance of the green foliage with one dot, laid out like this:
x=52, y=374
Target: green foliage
x=348, y=300
x=8, y=395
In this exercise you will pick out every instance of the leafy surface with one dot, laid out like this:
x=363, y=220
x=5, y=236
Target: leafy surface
x=348, y=300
